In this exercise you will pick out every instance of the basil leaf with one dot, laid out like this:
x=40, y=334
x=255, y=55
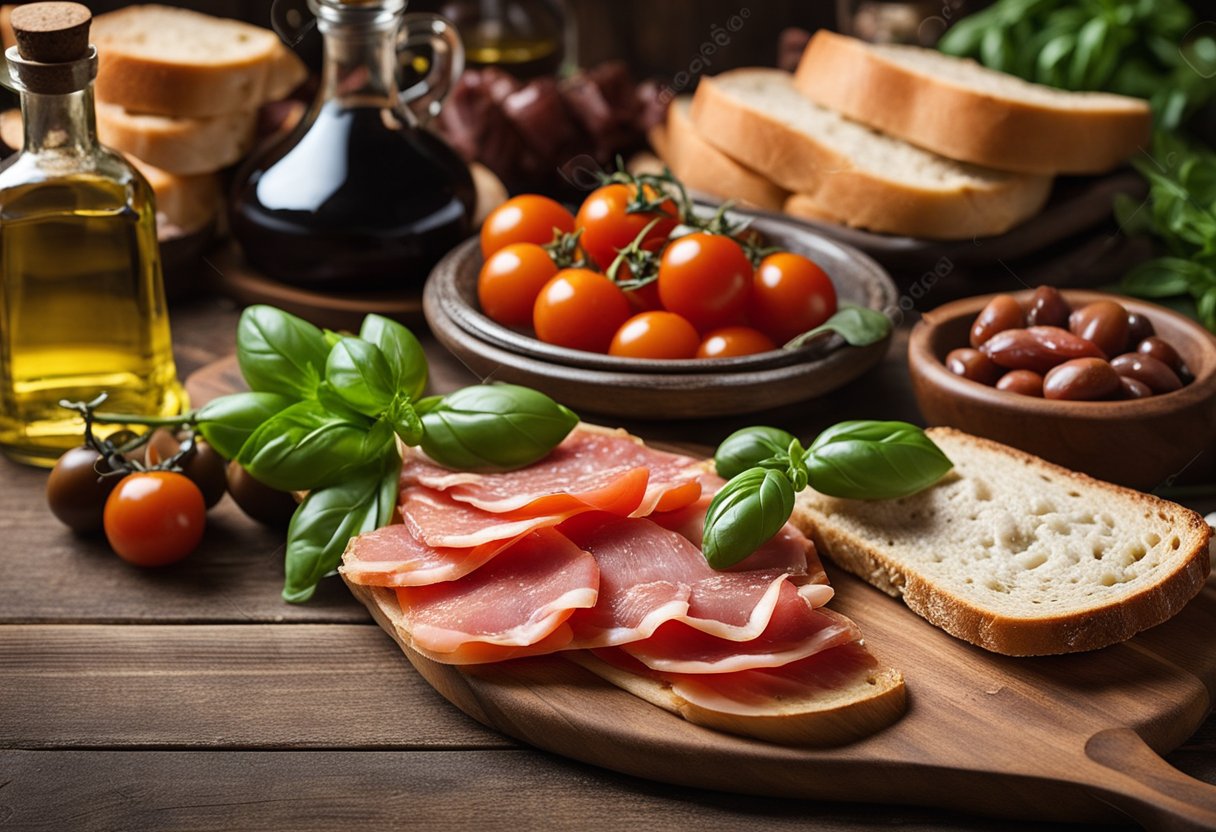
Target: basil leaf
x=1160, y=278
x=404, y=354
x=307, y=447
x=865, y=460
x=749, y=509
x=405, y=420
x=859, y=327
x=360, y=375
x=280, y=353
x=492, y=427
x=227, y=422
x=749, y=447
x=327, y=520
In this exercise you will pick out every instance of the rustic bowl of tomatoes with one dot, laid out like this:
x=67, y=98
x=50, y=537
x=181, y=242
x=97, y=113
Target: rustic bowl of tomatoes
x=1139, y=442
x=703, y=340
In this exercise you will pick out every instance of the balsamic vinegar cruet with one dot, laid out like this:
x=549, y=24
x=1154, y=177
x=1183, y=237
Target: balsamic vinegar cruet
x=359, y=196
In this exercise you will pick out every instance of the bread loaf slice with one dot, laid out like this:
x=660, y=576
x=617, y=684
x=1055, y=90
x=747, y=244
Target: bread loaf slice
x=962, y=110
x=168, y=61
x=865, y=178
x=184, y=146
x=702, y=167
x=1017, y=555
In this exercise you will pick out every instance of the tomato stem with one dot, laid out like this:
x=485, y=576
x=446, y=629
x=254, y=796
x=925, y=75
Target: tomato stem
x=149, y=421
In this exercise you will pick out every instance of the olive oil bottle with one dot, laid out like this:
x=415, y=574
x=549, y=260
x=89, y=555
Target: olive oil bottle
x=82, y=306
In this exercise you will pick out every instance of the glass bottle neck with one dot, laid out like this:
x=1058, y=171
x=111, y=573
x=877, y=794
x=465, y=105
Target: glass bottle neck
x=360, y=63
x=59, y=124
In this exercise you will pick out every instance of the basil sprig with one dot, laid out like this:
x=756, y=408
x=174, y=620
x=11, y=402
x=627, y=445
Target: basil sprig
x=857, y=325
x=766, y=467
x=322, y=415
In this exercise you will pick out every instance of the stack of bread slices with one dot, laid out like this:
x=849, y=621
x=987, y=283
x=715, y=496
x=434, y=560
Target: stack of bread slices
x=894, y=139
x=178, y=93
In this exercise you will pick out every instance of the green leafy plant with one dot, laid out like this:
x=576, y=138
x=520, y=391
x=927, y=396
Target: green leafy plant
x=324, y=415
x=766, y=467
x=857, y=325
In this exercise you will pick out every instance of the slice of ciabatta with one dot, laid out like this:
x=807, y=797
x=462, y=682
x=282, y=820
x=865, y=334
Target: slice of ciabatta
x=1017, y=555
x=962, y=110
x=705, y=168
x=184, y=146
x=866, y=178
x=176, y=62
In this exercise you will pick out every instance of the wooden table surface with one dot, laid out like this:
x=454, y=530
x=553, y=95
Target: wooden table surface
x=194, y=698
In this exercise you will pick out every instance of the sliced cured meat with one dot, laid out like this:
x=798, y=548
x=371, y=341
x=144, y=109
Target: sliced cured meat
x=438, y=520
x=763, y=691
x=514, y=605
x=603, y=470
x=650, y=575
x=795, y=631
x=394, y=556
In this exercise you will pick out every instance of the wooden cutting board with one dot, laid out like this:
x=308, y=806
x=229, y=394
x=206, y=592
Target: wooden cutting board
x=1061, y=738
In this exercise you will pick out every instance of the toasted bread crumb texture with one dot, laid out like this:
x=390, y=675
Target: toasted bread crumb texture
x=1018, y=555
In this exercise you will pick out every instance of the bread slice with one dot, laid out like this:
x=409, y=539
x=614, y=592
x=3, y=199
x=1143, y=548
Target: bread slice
x=168, y=61
x=1017, y=555
x=183, y=146
x=867, y=704
x=962, y=110
x=865, y=178
x=702, y=167
x=184, y=204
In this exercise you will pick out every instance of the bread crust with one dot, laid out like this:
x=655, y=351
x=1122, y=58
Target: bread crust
x=824, y=181
x=970, y=125
x=1086, y=628
x=184, y=146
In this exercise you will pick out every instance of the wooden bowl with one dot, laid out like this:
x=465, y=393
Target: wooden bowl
x=1140, y=443
x=653, y=389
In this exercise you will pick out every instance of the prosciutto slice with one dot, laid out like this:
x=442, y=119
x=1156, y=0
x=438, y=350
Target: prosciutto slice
x=602, y=470
x=515, y=605
x=650, y=575
x=393, y=556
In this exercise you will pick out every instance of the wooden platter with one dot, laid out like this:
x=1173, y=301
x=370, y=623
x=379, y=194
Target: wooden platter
x=644, y=389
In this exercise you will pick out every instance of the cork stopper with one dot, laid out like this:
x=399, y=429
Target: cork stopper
x=52, y=33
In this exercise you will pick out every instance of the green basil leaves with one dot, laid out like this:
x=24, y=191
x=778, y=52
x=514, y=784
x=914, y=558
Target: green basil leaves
x=280, y=353
x=767, y=466
x=857, y=325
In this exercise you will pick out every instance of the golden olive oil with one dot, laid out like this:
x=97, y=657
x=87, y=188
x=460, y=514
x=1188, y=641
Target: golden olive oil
x=82, y=307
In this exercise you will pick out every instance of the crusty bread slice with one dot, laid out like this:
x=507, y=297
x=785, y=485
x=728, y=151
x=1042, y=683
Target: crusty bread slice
x=184, y=146
x=872, y=701
x=1017, y=555
x=705, y=168
x=157, y=59
x=865, y=178
x=184, y=204
x=962, y=110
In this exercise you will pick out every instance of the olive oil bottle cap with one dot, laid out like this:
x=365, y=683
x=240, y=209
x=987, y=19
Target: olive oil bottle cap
x=52, y=55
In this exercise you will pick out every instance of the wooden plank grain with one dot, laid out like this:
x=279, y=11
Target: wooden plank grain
x=486, y=790
x=253, y=686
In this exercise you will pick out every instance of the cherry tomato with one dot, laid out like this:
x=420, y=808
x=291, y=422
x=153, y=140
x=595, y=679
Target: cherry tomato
x=733, y=341
x=608, y=226
x=655, y=335
x=153, y=518
x=511, y=279
x=580, y=309
x=76, y=493
x=706, y=279
x=645, y=298
x=523, y=219
x=790, y=295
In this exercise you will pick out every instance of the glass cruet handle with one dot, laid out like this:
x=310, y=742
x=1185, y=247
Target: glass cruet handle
x=425, y=98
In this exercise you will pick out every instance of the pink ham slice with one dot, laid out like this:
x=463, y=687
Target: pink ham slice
x=650, y=575
x=795, y=632
x=754, y=692
x=437, y=520
x=515, y=605
x=603, y=470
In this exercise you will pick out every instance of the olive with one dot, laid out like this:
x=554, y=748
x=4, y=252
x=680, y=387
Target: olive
x=1001, y=313
x=1148, y=370
x=974, y=365
x=1082, y=379
x=1048, y=308
x=203, y=466
x=1132, y=389
x=1138, y=328
x=76, y=493
x=261, y=502
x=1104, y=324
x=1161, y=350
x=1038, y=348
x=1025, y=382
